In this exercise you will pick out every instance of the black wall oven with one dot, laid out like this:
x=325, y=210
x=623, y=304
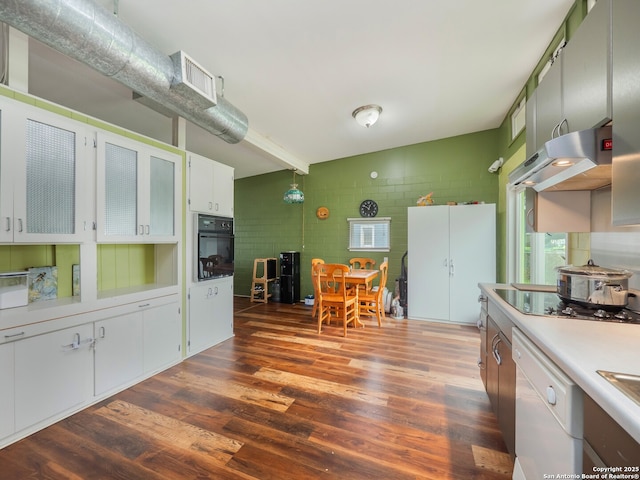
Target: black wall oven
x=214, y=247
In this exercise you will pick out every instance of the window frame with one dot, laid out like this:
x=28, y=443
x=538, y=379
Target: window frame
x=518, y=117
x=369, y=225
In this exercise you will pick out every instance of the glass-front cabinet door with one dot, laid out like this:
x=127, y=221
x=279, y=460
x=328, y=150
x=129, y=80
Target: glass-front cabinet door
x=120, y=207
x=162, y=197
x=43, y=164
x=137, y=191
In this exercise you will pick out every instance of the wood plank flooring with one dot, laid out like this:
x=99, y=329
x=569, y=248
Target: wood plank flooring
x=279, y=401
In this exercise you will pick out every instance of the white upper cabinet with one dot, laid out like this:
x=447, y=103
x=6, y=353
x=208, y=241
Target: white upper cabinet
x=586, y=71
x=548, y=114
x=210, y=186
x=625, y=195
x=576, y=93
x=138, y=192
x=43, y=177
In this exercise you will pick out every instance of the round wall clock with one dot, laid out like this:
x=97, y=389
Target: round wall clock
x=322, y=213
x=368, y=208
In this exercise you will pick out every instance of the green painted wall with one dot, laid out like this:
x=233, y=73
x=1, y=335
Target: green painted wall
x=454, y=169
x=123, y=265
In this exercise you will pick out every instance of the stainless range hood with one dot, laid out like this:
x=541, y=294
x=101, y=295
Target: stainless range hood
x=575, y=161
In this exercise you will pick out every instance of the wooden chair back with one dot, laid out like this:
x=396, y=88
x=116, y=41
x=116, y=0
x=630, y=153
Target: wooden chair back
x=315, y=282
x=335, y=299
x=372, y=303
x=362, y=263
x=333, y=278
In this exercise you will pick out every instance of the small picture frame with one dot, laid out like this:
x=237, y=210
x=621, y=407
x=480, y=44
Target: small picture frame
x=75, y=275
x=43, y=284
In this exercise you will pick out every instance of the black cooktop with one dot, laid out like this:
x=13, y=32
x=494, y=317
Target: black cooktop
x=548, y=304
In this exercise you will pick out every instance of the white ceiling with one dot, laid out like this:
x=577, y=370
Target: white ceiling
x=298, y=69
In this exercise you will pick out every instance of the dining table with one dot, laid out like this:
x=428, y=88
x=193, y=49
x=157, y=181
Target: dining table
x=361, y=277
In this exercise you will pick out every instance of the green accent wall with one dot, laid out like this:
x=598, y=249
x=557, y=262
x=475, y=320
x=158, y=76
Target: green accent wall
x=123, y=265
x=454, y=169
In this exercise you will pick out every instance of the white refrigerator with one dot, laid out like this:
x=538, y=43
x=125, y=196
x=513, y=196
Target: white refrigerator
x=451, y=250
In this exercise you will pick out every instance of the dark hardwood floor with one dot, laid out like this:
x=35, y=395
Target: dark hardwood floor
x=279, y=401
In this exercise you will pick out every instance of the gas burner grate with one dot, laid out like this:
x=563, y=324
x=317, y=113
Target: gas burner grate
x=548, y=304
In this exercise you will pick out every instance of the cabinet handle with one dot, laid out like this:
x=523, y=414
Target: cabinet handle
x=494, y=348
x=529, y=217
x=445, y=263
x=20, y=225
x=8, y=229
x=210, y=205
x=144, y=305
x=76, y=343
x=13, y=335
x=563, y=122
x=452, y=270
x=215, y=291
x=147, y=229
x=481, y=364
x=140, y=229
x=496, y=353
x=102, y=332
x=217, y=207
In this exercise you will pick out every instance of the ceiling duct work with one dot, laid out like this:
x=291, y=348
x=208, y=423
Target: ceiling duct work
x=90, y=34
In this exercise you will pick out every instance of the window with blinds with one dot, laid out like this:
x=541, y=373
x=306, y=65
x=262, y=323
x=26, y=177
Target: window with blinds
x=369, y=234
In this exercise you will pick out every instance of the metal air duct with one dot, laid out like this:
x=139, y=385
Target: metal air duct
x=83, y=30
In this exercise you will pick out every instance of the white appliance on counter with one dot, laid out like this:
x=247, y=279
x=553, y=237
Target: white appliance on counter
x=549, y=415
x=451, y=250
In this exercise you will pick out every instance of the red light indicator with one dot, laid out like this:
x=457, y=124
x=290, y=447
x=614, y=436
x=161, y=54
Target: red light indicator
x=607, y=144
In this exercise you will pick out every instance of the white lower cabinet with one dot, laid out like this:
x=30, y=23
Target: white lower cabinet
x=47, y=376
x=162, y=332
x=53, y=374
x=210, y=314
x=133, y=344
x=118, y=351
x=7, y=418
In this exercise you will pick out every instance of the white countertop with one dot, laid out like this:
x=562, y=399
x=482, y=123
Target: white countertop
x=580, y=348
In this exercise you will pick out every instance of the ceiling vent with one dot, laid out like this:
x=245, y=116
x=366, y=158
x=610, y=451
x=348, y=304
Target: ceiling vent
x=89, y=33
x=193, y=81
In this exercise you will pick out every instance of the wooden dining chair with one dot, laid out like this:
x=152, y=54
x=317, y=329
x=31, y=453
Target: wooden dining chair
x=372, y=303
x=316, y=285
x=335, y=300
x=362, y=263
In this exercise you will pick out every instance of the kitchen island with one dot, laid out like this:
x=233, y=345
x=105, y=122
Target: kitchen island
x=580, y=348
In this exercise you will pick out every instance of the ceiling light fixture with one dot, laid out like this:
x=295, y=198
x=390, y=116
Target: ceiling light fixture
x=367, y=115
x=293, y=195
